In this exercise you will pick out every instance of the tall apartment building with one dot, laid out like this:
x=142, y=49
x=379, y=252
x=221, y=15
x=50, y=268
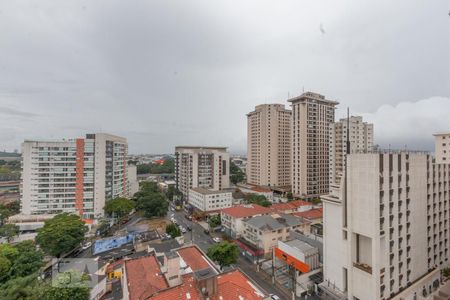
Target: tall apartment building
x=386, y=236
x=442, y=147
x=312, y=116
x=269, y=145
x=205, y=167
x=360, y=138
x=77, y=175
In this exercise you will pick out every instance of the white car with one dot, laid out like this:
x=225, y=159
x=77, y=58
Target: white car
x=274, y=297
x=86, y=246
x=183, y=230
x=217, y=239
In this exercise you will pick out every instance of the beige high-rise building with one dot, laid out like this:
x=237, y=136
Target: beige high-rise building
x=312, y=116
x=269, y=145
x=386, y=236
x=360, y=138
x=442, y=147
x=204, y=167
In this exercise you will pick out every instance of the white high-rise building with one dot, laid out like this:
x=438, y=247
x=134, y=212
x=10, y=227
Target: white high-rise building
x=360, y=138
x=76, y=175
x=312, y=115
x=387, y=228
x=204, y=167
x=269, y=145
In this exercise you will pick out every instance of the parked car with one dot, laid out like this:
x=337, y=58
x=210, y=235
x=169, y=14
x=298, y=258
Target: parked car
x=86, y=246
x=274, y=297
x=183, y=230
x=217, y=239
x=206, y=231
x=189, y=228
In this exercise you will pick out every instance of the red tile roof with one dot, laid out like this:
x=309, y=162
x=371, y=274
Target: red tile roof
x=144, y=277
x=193, y=258
x=187, y=290
x=316, y=213
x=290, y=205
x=235, y=285
x=246, y=210
x=298, y=203
x=261, y=189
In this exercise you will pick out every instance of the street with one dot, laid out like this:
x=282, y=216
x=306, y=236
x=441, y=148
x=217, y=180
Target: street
x=204, y=241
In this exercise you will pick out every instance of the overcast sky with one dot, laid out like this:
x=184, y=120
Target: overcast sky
x=166, y=73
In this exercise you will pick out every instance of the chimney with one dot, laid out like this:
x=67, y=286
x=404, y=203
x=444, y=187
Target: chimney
x=171, y=268
x=206, y=282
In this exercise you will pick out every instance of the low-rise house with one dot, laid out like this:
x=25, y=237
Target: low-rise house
x=262, y=233
x=301, y=256
x=293, y=206
x=315, y=216
x=207, y=200
x=233, y=217
x=257, y=190
x=184, y=273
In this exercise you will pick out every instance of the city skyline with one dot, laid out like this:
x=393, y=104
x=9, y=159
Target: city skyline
x=67, y=77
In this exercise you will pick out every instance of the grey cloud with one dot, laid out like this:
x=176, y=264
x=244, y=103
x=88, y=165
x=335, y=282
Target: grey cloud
x=186, y=72
x=14, y=112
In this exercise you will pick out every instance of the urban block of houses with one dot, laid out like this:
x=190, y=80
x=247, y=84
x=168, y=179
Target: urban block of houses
x=184, y=273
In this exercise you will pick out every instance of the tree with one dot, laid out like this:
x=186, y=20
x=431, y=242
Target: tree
x=236, y=173
x=258, y=199
x=5, y=266
x=28, y=261
x=173, y=230
x=119, y=207
x=103, y=228
x=316, y=201
x=7, y=210
x=24, y=288
x=224, y=253
x=289, y=196
x=9, y=231
x=69, y=285
x=61, y=234
x=167, y=167
x=214, y=221
x=446, y=272
x=153, y=205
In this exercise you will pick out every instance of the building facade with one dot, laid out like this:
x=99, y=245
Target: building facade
x=312, y=116
x=77, y=175
x=206, y=167
x=269, y=145
x=360, y=138
x=264, y=232
x=386, y=236
x=442, y=148
x=233, y=218
x=208, y=200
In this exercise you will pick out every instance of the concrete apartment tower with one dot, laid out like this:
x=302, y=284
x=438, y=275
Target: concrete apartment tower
x=386, y=229
x=76, y=175
x=269, y=145
x=442, y=147
x=360, y=138
x=312, y=116
x=205, y=167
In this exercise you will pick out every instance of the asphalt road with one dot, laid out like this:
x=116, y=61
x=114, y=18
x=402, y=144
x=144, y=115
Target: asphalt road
x=197, y=235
